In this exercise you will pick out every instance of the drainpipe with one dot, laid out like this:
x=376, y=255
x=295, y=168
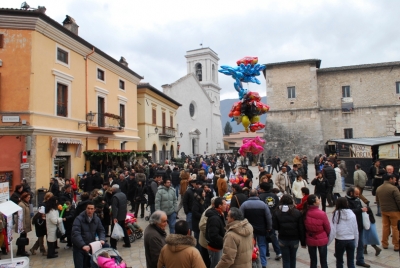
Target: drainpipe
x=86, y=90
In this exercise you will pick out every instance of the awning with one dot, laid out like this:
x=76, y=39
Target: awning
x=56, y=141
x=369, y=141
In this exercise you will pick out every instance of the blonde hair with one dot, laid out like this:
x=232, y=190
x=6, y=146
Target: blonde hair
x=47, y=196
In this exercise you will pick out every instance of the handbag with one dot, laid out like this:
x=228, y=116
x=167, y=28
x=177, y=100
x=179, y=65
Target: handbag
x=58, y=233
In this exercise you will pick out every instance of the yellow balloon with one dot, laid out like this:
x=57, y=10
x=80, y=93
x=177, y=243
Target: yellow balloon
x=255, y=119
x=246, y=122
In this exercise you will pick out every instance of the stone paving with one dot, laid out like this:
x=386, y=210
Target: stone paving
x=135, y=256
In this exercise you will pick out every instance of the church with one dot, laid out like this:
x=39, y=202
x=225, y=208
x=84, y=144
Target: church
x=199, y=119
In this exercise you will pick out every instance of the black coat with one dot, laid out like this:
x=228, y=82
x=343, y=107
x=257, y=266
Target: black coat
x=132, y=185
x=123, y=185
x=69, y=215
x=290, y=225
x=84, y=232
x=139, y=194
x=356, y=206
x=321, y=187
x=207, y=199
x=175, y=178
x=188, y=199
x=40, y=225
x=329, y=173
x=241, y=197
x=215, y=229
x=197, y=210
x=64, y=197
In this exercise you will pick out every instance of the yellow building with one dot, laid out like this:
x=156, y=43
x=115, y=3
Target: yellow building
x=157, y=123
x=61, y=94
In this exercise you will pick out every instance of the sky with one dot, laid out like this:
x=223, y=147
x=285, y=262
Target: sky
x=154, y=35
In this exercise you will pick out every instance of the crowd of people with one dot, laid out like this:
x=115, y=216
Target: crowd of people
x=228, y=223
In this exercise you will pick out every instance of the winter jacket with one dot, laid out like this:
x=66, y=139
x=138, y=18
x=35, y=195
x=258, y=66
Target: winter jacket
x=64, y=197
x=296, y=188
x=140, y=195
x=321, y=186
x=207, y=198
x=356, y=206
x=202, y=227
x=238, y=245
x=108, y=263
x=84, y=232
x=52, y=220
x=317, y=227
x=222, y=187
x=345, y=227
x=258, y=214
x=237, y=200
x=175, y=178
x=26, y=217
x=180, y=251
x=303, y=201
x=293, y=175
x=187, y=200
x=271, y=199
x=329, y=174
x=215, y=229
x=151, y=188
x=338, y=183
x=388, y=197
x=197, y=210
x=154, y=241
x=289, y=224
x=40, y=225
x=166, y=200
x=123, y=185
x=118, y=206
x=282, y=181
x=81, y=207
x=360, y=178
x=132, y=185
x=15, y=197
x=69, y=215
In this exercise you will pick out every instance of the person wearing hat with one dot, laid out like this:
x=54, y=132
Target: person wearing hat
x=188, y=199
x=119, y=210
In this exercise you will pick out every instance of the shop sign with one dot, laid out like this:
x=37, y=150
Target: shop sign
x=24, y=166
x=4, y=192
x=389, y=151
x=360, y=151
x=10, y=119
x=102, y=140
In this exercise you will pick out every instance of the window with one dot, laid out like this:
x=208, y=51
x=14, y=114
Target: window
x=348, y=133
x=62, y=100
x=199, y=72
x=191, y=109
x=291, y=91
x=62, y=55
x=100, y=111
x=397, y=87
x=100, y=74
x=171, y=121
x=122, y=115
x=121, y=84
x=62, y=147
x=213, y=73
x=102, y=146
x=1, y=40
x=154, y=117
x=123, y=145
x=346, y=92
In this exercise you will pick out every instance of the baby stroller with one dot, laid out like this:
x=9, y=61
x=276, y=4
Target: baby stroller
x=132, y=228
x=112, y=252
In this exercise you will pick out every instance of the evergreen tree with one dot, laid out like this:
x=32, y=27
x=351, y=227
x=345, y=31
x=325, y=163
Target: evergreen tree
x=227, y=128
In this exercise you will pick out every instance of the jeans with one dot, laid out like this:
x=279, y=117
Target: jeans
x=171, y=222
x=205, y=256
x=215, y=257
x=196, y=236
x=269, y=169
x=189, y=220
x=274, y=242
x=289, y=250
x=378, y=209
x=343, y=185
x=177, y=188
x=342, y=246
x=323, y=256
x=262, y=247
x=81, y=258
x=360, y=247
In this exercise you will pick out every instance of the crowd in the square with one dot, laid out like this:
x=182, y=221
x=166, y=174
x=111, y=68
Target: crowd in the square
x=227, y=223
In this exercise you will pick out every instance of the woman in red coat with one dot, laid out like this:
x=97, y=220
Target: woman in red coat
x=74, y=188
x=317, y=231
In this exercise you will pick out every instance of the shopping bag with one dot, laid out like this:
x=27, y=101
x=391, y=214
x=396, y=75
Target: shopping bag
x=61, y=228
x=117, y=232
x=366, y=222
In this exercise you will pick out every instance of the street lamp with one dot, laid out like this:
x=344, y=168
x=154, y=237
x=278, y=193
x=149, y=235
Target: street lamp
x=155, y=130
x=89, y=119
x=181, y=134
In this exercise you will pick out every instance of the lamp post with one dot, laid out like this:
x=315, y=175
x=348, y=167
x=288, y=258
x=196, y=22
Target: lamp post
x=155, y=132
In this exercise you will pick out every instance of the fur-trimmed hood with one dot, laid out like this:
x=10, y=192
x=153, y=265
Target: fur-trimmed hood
x=177, y=242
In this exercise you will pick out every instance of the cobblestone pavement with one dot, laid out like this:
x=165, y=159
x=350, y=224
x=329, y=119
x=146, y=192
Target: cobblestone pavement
x=135, y=256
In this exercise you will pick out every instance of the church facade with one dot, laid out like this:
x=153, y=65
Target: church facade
x=199, y=118
x=311, y=105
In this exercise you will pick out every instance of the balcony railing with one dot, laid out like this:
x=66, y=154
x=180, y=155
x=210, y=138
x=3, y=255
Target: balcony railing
x=167, y=132
x=106, y=122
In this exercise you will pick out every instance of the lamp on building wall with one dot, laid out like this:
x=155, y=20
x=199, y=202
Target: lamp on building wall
x=89, y=119
x=181, y=134
x=155, y=132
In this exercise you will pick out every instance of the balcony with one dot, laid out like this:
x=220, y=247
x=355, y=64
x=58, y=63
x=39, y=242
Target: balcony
x=167, y=132
x=104, y=122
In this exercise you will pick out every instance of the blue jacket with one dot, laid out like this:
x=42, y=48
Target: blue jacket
x=84, y=232
x=258, y=214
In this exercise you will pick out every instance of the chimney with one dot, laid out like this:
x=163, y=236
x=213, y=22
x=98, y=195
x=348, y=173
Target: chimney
x=123, y=61
x=71, y=25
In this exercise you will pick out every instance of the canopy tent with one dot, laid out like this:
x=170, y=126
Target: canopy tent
x=8, y=208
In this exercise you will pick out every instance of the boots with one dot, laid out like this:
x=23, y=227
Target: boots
x=51, y=250
x=365, y=249
x=377, y=250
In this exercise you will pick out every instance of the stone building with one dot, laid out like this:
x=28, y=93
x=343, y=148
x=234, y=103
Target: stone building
x=310, y=105
x=199, y=118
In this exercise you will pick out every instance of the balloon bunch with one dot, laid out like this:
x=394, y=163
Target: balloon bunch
x=247, y=111
x=252, y=145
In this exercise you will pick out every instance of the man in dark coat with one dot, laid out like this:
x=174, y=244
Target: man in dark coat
x=119, y=210
x=84, y=230
x=330, y=175
x=238, y=197
x=187, y=201
x=154, y=237
x=176, y=180
x=123, y=183
x=132, y=185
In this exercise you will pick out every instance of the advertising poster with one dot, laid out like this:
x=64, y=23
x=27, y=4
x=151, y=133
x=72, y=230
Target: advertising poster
x=360, y=151
x=343, y=149
x=389, y=151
